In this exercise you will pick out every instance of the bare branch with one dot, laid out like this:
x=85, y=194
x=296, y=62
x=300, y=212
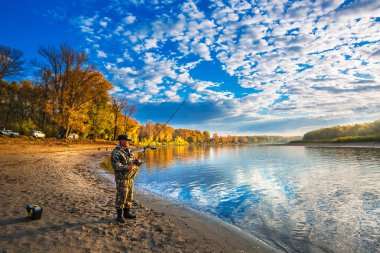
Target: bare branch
x=10, y=61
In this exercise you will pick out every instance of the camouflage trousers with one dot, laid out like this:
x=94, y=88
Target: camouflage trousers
x=124, y=193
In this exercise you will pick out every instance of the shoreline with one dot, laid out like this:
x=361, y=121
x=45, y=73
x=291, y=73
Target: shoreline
x=197, y=223
x=78, y=209
x=64, y=144
x=229, y=237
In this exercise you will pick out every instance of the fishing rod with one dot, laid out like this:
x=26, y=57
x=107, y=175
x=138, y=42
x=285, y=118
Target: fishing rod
x=147, y=146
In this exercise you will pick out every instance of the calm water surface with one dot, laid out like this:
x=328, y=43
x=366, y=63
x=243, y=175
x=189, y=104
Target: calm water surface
x=297, y=198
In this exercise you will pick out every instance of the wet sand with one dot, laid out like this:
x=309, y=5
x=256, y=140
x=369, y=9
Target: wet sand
x=78, y=209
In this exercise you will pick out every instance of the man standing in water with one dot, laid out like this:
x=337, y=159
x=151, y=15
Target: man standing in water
x=125, y=166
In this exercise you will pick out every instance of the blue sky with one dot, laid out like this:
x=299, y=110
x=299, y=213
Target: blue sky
x=243, y=67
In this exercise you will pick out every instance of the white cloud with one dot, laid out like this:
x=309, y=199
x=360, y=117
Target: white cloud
x=193, y=97
x=172, y=96
x=127, y=56
x=126, y=71
x=202, y=50
x=130, y=19
x=150, y=43
x=191, y=10
x=119, y=30
x=202, y=85
x=101, y=54
x=85, y=23
x=115, y=90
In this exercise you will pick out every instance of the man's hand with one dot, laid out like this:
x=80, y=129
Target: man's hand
x=137, y=162
x=127, y=168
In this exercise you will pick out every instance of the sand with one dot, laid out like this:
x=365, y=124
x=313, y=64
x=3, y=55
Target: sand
x=78, y=209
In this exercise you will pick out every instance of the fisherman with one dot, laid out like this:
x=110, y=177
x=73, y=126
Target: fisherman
x=125, y=166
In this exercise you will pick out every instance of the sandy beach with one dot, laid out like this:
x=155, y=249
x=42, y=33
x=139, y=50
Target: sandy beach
x=78, y=209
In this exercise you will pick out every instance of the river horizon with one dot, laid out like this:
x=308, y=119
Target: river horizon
x=295, y=198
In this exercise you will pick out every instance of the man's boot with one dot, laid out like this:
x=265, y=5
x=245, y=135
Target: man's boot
x=127, y=214
x=120, y=217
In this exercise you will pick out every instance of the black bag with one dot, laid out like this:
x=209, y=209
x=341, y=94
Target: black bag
x=34, y=211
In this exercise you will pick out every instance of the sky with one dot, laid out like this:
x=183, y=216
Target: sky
x=242, y=67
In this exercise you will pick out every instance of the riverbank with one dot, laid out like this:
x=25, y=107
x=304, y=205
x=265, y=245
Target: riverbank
x=79, y=213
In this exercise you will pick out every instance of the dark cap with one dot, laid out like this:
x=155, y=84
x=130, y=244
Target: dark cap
x=123, y=137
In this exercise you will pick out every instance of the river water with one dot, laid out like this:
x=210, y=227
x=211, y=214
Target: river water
x=299, y=199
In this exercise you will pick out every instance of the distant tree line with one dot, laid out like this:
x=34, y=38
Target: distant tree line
x=357, y=132
x=69, y=96
x=181, y=136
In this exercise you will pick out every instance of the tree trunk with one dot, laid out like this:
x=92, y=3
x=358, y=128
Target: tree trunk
x=7, y=116
x=67, y=132
x=115, y=129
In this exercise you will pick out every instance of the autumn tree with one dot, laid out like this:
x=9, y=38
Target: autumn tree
x=118, y=105
x=215, y=137
x=206, y=136
x=23, y=106
x=243, y=139
x=19, y=105
x=133, y=127
x=168, y=132
x=7, y=105
x=100, y=124
x=150, y=129
x=73, y=85
x=128, y=111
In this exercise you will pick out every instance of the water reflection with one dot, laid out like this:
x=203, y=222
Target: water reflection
x=165, y=157
x=301, y=199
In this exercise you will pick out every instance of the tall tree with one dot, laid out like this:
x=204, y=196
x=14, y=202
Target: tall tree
x=206, y=136
x=8, y=97
x=118, y=105
x=10, y=61
x=100, y=123
x=128, y=112
x=215, y=137
x=73, y=86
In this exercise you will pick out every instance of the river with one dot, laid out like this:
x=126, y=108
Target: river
x=299, y=199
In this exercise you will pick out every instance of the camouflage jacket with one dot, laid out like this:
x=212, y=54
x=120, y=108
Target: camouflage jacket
x=121, y=159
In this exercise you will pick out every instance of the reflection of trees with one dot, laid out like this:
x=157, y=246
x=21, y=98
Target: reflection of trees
x=166, y=156
x=163, y=157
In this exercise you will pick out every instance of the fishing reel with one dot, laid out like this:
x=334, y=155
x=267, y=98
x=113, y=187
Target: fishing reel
x=138, y=162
